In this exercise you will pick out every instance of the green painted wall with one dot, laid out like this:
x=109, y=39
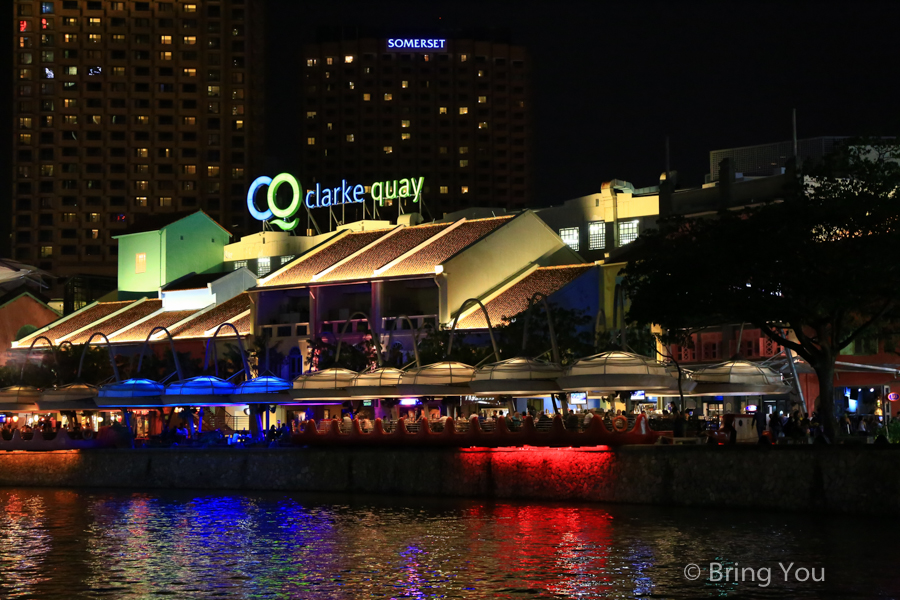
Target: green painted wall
x=195, y=244
x=130, y=246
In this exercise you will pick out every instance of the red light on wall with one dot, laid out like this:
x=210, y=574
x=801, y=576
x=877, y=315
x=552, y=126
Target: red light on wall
x=23, y=26
x=893, y=396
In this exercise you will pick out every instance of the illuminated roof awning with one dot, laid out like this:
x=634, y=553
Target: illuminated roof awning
x=619, y=371
x=131, y=393
x=74, y=396
x=521, y=377
x=327, y=384
x=446, y=378
x=738, y=378
x=266, y=389
x=380, y=383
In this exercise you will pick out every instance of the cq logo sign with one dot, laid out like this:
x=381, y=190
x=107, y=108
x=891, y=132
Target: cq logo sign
x=285, y=218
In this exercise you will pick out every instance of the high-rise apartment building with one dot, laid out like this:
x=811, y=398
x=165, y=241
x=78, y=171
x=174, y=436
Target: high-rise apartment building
x=124, y=109
x=454, y=110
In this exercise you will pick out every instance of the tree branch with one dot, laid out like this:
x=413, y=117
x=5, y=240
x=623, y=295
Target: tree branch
x=887, y=306
x=771, y=333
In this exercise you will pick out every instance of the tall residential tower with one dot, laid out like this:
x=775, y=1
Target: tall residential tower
x=129, y=108
x=455, y=110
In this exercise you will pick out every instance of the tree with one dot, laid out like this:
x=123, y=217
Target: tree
x=820, y=263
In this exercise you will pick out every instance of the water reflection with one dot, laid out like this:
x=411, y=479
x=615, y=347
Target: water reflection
x=73, y=544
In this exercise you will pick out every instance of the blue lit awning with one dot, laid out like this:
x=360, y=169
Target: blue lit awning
x=205, y=385
x=132, y=388
x=264, y=385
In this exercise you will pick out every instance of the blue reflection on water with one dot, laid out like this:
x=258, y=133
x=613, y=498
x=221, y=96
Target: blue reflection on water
x=71, y=544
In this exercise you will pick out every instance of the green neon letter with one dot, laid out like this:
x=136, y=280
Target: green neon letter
x=288, y=212
x=376, y=193
x=404, y=188
x=417, y=190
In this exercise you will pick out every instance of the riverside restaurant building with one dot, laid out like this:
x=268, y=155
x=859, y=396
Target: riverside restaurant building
x=182, y=285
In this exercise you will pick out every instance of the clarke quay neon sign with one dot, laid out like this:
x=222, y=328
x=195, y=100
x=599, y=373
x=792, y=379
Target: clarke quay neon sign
x=324, y=197
x=419, y=44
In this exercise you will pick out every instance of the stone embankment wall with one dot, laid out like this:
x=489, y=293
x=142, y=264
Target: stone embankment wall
x=864, y=479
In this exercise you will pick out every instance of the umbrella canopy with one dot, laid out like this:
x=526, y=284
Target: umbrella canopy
x=522, y=377
x=205, y=385
x=617, y=370
x=135, y=392
x=22, y=394
x=327, y=384
x=738, y=378
x=380, y=383
x=73, y=396
x=266, y=389
x=445, y=378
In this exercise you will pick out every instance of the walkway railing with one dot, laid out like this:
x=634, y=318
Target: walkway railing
x=474, y=434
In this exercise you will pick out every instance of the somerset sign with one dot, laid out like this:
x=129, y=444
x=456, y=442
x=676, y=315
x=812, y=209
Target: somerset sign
x=323, y=197
x=416, y=44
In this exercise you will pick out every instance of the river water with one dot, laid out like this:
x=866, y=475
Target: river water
x=66, y=544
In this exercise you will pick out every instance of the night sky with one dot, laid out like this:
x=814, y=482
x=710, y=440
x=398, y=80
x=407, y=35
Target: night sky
x=611, y=81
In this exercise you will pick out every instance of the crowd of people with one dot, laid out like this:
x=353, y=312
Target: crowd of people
x=48, y=427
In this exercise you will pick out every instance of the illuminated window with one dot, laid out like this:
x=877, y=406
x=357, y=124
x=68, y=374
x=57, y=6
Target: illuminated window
x=142, y=185
x=165, y=39
x=463, y=149
x=442, y=110
x=94, y=22
x=118, y=38
x=480, y=73
x=24, y=122
x=95, y=38
x=405, y=136
x=70, y=119
x=190, y=8
x=93, y=234
x=482, y=125
x=569, y=236
x=190, y=40
x=189, y=169
x=404, y=123
x=445, y=189
x=140, y=201
x=142, y=119
x=263, y=266
x=237, y=172
x=189, y=72
x=463, y=57
x=628, y=232
x=311, y=62
x=69, y=217
x=212, y=90
x=46, y=170
x=46, y=251
x=116, y=6
x=367, y=97
x=70, y=38
x=47, y=8
x=70, y=70
x=237, y=94
x=189, y=120
x=442, y=150
x=142, y=169
x=25, y=58
x=464, y=163
x=329, y=60
x=165, y=201
x=95, y=119
x=388, y=149
x=404, y=84
x=118, y=71
x=93, y=217
x=348, y=59
x=388, y=96
x=596, y=235
x=310, y=141
x=212, y=171
x=482, y=99
x=26, y=73
x=463, y=110
x=70, y=102
x=237, y=109
x=310, y=114
x=237, y=125
x=165, y=55
x=239, y=264
x=142, y=152
x=350, y=137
